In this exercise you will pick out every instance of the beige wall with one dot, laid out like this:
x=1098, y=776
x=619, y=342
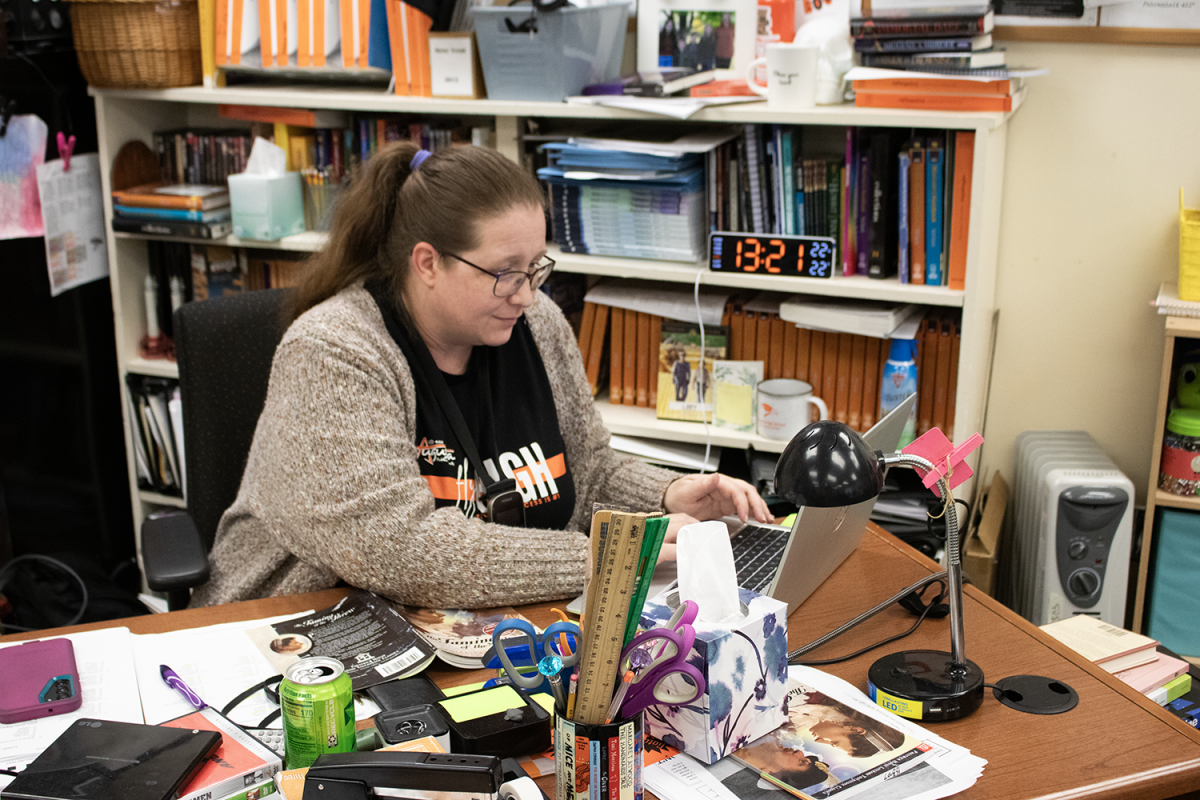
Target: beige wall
x=1096, y=157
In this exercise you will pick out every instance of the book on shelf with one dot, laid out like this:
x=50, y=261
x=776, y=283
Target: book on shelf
x=1171, y=691
x=918, y=62
x=934, y=85
x=683, y=373
x=1109, y=647
x=197, y=197
x=241, y=761
x=1168, y=302
x=865, y=317
x=935, y=44
x=142, y=212
x=916, y=10
x=301, y=117
x=659, y=83
x=955, y=25
x=959, y=195
x=180, y=228
x=938, y=102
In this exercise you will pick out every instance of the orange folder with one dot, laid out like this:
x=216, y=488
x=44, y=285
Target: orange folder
x=841, y=397
x=952, y=391
x=642, y=397
x=222, y=31
x=803, y=346
x=872, y=371
x=303, y=23
x=585, y=330
x=858, y=361
x=816, y=365
x=750, y=336
x=775, y=358
x=762, y=347
x=941, y=386
x=629, y=367
x=596, y=347
x=653, y=351
x=829, y=375
x=788, y=368
x=396, y=37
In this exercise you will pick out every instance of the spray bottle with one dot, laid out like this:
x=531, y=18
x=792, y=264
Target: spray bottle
x=898, y=382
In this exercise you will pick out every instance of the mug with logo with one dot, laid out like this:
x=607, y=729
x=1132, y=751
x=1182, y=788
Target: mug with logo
x=783, y=407
x=791, y=75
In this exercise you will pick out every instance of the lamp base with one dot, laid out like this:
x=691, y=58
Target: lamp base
x=926, y=685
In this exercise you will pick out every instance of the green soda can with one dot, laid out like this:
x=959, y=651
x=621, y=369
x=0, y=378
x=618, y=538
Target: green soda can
x=317, y=702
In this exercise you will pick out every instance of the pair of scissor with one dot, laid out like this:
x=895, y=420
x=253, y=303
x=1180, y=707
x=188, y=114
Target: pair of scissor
x=665, y=677
x=544, y=653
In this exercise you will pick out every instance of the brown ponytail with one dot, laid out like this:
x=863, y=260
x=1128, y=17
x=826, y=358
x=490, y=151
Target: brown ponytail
x=383, y=213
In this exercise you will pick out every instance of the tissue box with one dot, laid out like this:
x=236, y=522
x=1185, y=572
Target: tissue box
x=744, y=664
x=266, y=206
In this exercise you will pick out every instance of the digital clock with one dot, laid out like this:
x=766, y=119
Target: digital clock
x=772, y=254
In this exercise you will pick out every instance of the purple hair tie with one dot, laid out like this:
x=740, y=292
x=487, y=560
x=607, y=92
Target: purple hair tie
x=419, y=159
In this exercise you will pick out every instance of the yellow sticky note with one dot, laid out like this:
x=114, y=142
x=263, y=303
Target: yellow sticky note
x=454, y=691
x=482, y=704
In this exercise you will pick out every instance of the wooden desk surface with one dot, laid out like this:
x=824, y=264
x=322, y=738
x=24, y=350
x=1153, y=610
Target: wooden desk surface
x=1115, y=743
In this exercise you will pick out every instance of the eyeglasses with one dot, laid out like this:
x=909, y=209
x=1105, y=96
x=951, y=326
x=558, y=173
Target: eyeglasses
x=509, y=281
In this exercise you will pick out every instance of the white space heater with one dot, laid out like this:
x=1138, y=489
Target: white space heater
x=1068, y=535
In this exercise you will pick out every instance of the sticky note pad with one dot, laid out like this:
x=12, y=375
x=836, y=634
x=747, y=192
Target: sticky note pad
x=454, y=691
x=496, y=700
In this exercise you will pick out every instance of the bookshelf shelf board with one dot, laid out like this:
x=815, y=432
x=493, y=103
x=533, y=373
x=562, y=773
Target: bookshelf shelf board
x=155, y=367
x=635, y=421
x=1162, y=498
x=161, y=499
x=859, y=287
x=373, y=100
x=307, y=242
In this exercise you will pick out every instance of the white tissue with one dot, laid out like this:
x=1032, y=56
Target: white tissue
x=266, y=158
x=706, y=572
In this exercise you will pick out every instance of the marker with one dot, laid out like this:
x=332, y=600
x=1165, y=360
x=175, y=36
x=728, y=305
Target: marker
x=175, y=682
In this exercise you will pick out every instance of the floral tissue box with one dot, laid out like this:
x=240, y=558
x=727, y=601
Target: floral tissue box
x=744, y=664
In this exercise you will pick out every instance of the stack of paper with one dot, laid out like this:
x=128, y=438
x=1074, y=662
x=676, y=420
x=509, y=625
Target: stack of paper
x=881, y=755
x=865, y=317
x=617, y=198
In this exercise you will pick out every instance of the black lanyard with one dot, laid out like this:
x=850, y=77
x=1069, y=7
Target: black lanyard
x=433, y=384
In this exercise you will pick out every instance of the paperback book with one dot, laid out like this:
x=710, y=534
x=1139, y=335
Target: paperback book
x=685, y=390
x=1112, y=648
x=461, y=637
x=171, y=227
x=239, y=763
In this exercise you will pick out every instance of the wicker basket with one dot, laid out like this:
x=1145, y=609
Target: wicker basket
x=137, y=44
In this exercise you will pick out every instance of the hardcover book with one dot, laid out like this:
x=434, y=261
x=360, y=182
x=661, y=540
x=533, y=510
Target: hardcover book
x=240, y=762
x=198, y=197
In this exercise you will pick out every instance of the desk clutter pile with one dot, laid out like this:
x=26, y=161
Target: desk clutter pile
x=247, y=709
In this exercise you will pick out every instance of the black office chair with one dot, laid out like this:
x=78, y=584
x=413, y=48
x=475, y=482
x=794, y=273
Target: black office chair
x=224, y=347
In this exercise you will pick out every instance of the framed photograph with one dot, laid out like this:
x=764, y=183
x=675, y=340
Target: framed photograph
x=700, y=34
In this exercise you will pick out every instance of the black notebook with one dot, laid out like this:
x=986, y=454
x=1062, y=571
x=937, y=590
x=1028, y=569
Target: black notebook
x=96, y=759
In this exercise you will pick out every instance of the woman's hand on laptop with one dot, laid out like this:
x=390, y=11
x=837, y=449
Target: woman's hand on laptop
x=714, y=496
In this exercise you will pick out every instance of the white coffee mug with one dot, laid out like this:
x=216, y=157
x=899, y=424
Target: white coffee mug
x=783, y=407
x=791, y=75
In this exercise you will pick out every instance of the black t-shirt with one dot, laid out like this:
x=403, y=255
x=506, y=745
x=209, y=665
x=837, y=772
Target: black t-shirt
x=507, y=404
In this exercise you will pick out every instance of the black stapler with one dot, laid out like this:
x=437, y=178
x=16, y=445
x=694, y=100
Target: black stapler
x=362, y=776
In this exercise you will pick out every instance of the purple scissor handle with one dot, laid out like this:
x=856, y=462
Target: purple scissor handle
x=667, y=679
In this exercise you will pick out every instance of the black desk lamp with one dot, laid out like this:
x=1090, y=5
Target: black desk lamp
x=827, y=464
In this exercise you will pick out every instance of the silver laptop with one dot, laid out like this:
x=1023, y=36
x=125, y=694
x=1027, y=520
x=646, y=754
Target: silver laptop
x=790, y=563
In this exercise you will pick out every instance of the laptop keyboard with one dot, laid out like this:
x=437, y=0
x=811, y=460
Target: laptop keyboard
x=756, y=555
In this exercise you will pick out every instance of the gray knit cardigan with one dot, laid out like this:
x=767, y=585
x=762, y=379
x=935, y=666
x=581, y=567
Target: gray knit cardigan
x=331, y=489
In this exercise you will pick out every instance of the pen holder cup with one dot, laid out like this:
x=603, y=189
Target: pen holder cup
x=318, y=204
x=598, y=761
x=744, y=664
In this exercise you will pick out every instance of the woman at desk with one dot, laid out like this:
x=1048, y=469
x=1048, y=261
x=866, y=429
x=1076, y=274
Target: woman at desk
x=427, y=290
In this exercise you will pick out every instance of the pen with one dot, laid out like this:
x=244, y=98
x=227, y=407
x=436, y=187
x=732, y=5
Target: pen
x=549, y=667
x=175, y=682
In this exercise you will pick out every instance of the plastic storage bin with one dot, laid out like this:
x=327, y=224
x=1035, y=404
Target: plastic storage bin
x=1189, y=252
x=552, y=54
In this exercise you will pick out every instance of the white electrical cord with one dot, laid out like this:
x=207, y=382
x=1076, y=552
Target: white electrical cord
x=701, y=383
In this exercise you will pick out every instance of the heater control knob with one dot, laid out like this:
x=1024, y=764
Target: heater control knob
x=1077, y=550
x=1084, y=583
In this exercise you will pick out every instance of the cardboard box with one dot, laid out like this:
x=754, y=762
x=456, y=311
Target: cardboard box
x=982, y=547
x=266, y=207
x=744, y=664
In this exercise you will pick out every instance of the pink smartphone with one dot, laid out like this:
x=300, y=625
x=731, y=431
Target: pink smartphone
x=40, y=680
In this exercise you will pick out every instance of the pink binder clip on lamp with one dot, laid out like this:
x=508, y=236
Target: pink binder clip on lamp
x=827, y=465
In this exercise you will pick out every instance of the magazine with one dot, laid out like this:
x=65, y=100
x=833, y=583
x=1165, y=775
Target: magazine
x=373, y=642
x=461, y=637
x=827, y=747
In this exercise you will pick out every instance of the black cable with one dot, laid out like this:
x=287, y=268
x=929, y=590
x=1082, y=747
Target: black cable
x=8, y=569
x=868, y=648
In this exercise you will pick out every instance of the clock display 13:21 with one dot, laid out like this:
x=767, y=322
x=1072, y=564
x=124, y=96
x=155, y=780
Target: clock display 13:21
x=803, y=256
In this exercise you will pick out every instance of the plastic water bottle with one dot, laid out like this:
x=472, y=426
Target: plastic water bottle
x=898, y=382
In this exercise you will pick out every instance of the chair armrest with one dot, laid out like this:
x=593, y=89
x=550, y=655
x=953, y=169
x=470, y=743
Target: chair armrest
x=173, y=557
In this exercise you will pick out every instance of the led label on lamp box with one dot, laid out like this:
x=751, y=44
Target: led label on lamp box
x=911, y=709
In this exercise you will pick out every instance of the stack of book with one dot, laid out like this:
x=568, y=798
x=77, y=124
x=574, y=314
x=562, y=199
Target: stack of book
x=197, y=211
x=967, y=90
x=925, y=43
x=626, y=200
x=1129, y=656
